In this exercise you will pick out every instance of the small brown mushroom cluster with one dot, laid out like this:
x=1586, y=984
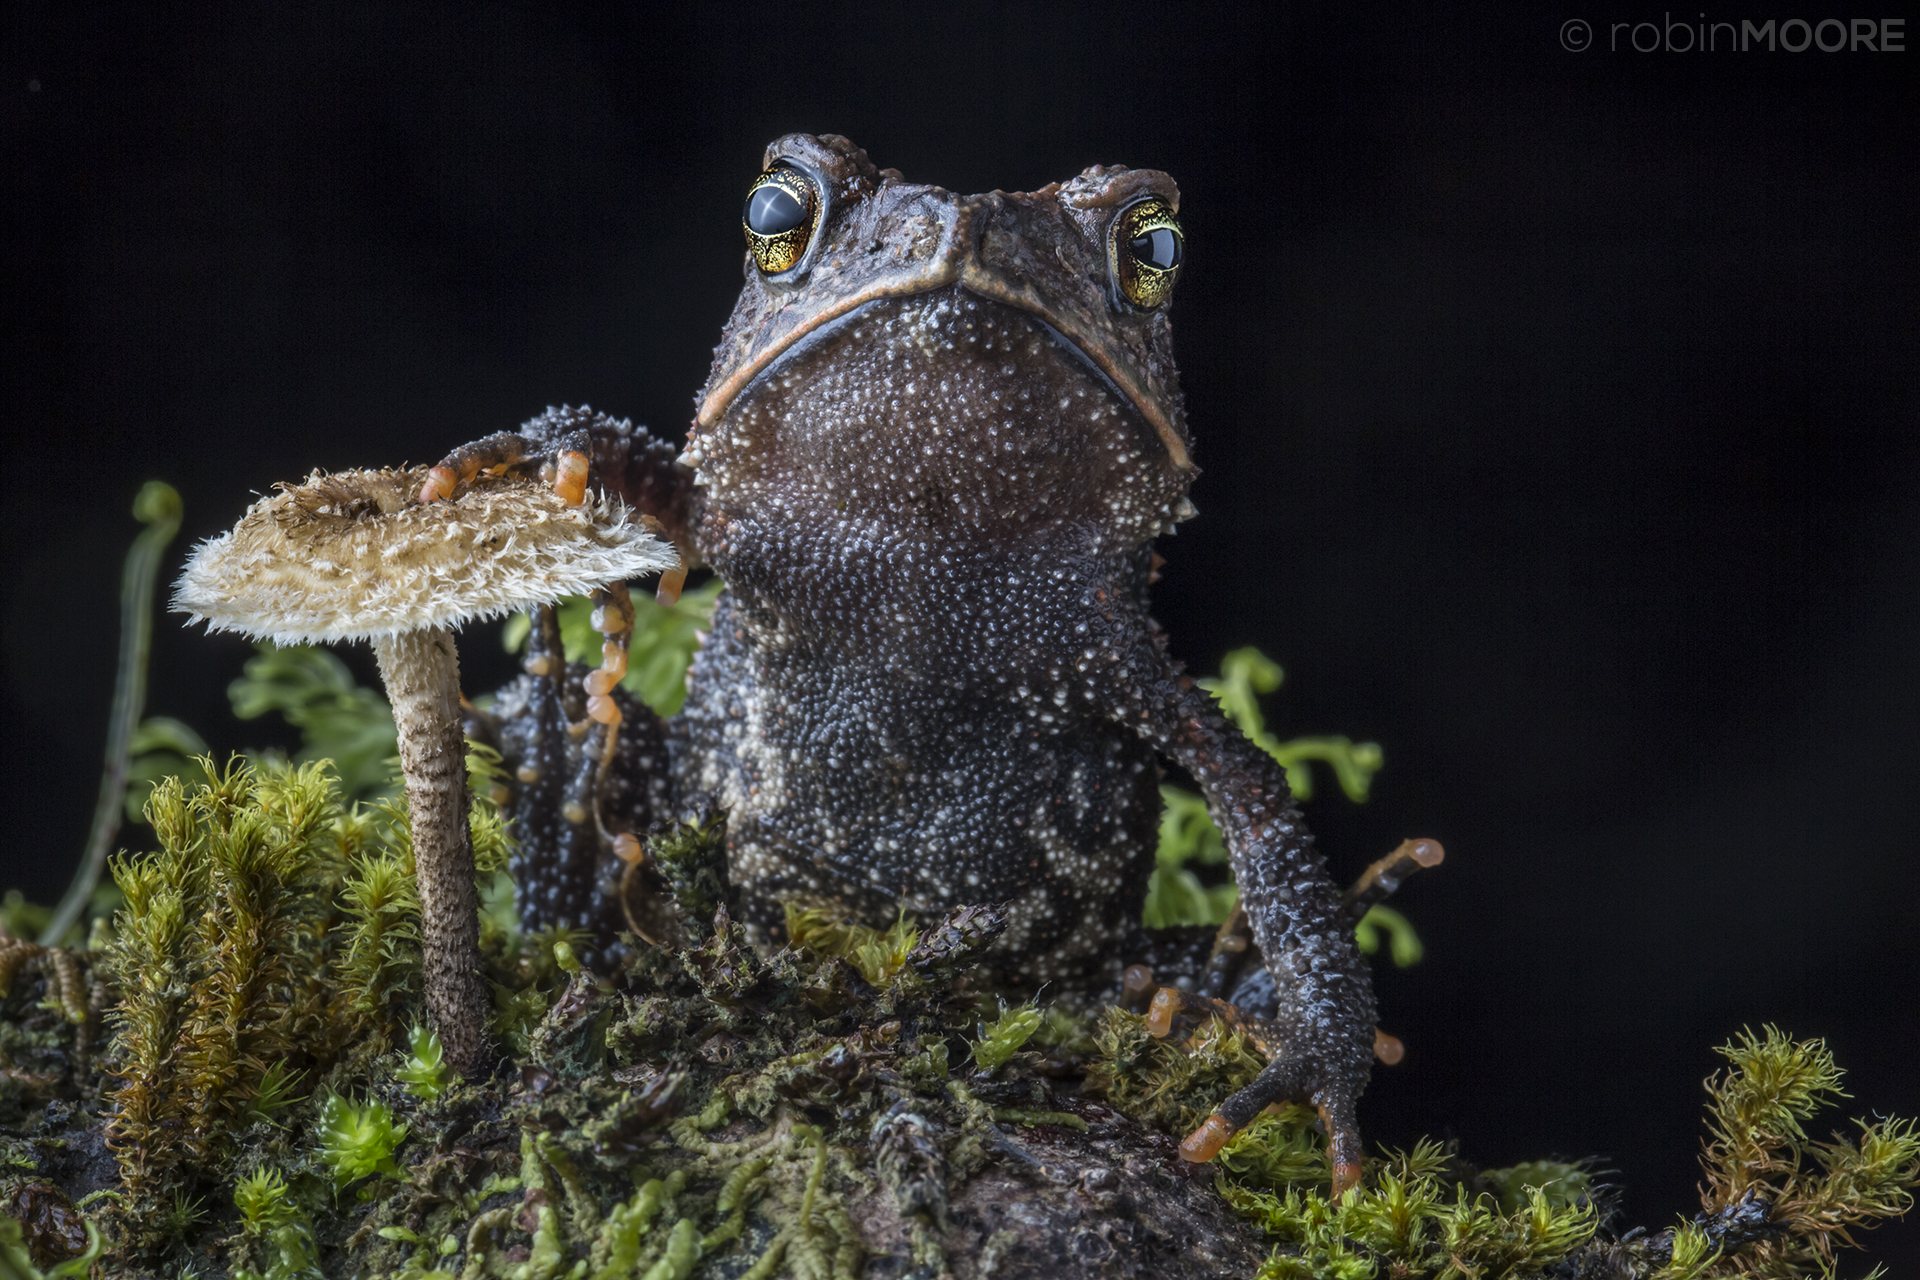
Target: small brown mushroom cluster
x=353, y=556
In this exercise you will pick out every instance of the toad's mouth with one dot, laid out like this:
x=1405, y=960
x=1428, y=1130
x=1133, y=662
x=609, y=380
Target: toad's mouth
x=826, y=330
x=943, y=410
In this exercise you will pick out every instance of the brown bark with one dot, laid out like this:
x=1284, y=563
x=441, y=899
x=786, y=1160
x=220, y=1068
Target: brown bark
x=422, y=674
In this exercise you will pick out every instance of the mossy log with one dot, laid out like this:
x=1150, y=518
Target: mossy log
x=852, y=1105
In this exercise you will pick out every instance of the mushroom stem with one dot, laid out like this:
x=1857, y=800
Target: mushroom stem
x=422, y=673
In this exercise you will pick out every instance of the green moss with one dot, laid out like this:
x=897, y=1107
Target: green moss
x=1171, y=1084
x=261, y=1197
x=379, y=960
x=271, y=939
x=624, y=1150
x=275, y=1092
x=275, y=1240
x=357, y=1140
x=693, y=859
x=216, y=959
x=879, y=954
x=1776, y=1205
x=1278, y=1151
x=1758, y=1150
x=1410, y=1227
x=425, y=1071
x=618, y=1247
x=1693, y=1253
x=1003, y=1037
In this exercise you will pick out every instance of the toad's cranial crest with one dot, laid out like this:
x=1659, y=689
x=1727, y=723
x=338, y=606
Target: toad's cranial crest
x=940, y=436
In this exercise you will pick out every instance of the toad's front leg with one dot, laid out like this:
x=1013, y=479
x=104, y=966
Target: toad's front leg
x=1323, y=1031
x=585, y=777
x=575, y=450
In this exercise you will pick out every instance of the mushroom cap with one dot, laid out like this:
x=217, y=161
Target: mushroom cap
x=352, y=556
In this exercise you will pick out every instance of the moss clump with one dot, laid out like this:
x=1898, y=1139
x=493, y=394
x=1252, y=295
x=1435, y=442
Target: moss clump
x=1003, y=1037
x=1775, y=1203
x=1407, y=1223
x=878, y=954
x=705, y=1106
x=221, y=960
x=357, y=1139
x=275, y=1239
x=1174, y=1083
x=1760, y=1163
x=425, y=1071
x=380, y=961
x=271, y=940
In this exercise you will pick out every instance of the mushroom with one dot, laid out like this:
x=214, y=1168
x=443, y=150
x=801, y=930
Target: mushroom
x=352, y=556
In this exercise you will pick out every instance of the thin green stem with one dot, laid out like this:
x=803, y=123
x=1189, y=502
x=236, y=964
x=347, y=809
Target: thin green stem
x=158, y=507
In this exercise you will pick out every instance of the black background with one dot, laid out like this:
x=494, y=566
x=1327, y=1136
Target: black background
x=1556, y=412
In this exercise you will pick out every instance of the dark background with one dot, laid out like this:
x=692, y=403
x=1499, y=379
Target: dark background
x=1557, y=414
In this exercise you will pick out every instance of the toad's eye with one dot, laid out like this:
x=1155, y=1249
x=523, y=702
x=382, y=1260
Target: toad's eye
x=782, y=209
x=1144, y=250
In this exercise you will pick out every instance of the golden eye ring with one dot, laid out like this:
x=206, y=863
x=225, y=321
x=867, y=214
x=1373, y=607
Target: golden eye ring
x=1145, y=248
x=780, y=216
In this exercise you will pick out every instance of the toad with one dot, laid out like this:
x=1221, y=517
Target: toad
x=939, y=438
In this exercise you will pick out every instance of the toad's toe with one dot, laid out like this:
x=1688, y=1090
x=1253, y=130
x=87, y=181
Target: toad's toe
x=1289, y=1080
x=570, y=478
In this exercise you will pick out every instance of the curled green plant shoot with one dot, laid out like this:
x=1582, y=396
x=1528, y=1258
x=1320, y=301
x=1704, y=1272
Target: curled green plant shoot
x=158, y=507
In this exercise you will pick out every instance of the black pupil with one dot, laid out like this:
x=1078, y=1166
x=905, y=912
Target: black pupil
x=771, y=209
x=1159, y=248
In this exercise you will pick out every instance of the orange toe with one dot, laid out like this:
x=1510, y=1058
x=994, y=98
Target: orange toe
x=1166, y=1001
x=440, y=484
x=570, y=478
x=1204, y=1143
x=1346, y=1176
x=671, y=583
